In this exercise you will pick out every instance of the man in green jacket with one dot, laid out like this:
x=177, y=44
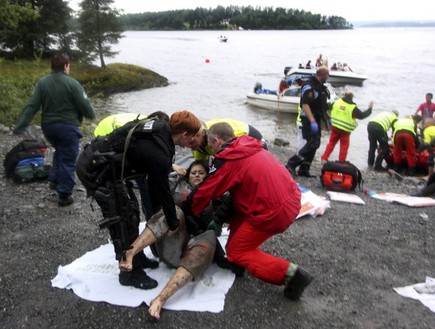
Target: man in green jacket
x=63, y=104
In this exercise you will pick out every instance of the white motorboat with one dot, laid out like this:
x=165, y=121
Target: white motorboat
x=286, y=102
x=336, y=78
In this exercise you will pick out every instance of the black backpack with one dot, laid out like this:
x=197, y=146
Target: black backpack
x=25, y=161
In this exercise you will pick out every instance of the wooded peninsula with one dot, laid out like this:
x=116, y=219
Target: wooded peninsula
x=233, y=18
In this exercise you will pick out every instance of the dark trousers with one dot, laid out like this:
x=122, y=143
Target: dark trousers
x=306, y=154
x=377, y=135
x=65, y=139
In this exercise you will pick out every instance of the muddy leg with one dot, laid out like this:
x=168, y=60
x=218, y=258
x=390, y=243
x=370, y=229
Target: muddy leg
x=180, y=278
x=145, y=239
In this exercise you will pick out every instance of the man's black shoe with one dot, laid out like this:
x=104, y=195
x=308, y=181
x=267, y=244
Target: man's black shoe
x=137, y=278
x=144, y=262
x=294, y=289
x=63, y=202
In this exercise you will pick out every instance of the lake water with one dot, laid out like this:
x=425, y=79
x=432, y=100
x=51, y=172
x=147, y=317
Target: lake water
x=399, y=63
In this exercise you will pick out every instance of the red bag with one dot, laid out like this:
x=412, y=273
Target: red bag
x=340, y=176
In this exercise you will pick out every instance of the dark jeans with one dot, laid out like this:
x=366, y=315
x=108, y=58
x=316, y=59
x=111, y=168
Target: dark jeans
x=65, y=139
x=306, y=154
x=377, y=135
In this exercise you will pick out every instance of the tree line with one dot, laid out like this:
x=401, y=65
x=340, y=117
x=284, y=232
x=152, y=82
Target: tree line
x=32, y=29
x=233, y=17
x=37, y=28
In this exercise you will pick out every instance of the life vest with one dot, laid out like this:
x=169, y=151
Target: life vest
x=298, y=119
x=240, y=129
x=385, y=119
x=111, y=122
x=341, y=115
x=429, y=135
x=404, y=124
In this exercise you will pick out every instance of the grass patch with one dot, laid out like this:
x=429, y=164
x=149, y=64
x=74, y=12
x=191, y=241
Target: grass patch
x=17, y=79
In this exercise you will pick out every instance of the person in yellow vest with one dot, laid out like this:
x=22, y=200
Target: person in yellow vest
x=377, y=130
x=111, y=122
x=202, y=151
x=429, y=143
x=343, y=121
x=405, y=138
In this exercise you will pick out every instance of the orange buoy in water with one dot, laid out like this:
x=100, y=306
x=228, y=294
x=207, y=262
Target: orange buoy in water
x=207, y=60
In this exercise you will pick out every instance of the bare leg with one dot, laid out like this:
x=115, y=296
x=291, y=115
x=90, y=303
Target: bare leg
x=180, y=278
x=145, y=239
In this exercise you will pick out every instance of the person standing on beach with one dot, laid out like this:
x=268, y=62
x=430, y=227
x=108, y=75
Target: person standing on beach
x=343, y=121
x=313, y=104
x=63, y=104
x=426, y=109
x=377, y=130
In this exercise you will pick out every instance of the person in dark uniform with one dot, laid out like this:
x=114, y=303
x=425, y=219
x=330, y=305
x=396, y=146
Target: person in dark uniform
x=107, y=166
x=313, y=104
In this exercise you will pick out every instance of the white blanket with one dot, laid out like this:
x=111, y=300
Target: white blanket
x=94, y=277
x=424, y=292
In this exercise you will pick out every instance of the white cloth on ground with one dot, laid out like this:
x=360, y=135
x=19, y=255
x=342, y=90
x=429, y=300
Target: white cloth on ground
x=424, y=292
x=94, y=277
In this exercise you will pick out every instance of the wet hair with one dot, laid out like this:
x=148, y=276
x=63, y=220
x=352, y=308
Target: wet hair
x=195, y=163
x=58, y=62
x=159, y=114
x=184, y=121
x=221, y=130
x=430, y=95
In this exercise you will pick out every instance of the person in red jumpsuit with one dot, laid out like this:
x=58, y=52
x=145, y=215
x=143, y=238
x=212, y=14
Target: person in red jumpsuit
x=266, y=201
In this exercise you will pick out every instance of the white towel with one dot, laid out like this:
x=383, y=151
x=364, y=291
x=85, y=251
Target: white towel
x=94, y=277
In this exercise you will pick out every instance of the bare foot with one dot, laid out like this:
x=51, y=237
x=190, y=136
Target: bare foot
x=127, y=264
x=155, y=308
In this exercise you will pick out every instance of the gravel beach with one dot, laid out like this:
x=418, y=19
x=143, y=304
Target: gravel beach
x=357, y=254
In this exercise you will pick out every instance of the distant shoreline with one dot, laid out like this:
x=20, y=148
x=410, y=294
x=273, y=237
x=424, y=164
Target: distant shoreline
x=394, y=24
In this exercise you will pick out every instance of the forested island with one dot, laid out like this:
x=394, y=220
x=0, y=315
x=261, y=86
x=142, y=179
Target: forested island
x=233, y=18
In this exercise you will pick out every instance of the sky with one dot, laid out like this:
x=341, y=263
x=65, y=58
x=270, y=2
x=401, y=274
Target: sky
x=351, y=10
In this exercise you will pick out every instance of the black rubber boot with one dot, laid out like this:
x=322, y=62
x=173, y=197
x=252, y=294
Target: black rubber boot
x=304, y=170
x=296, y=286
x=292, y=163
x=137, y=278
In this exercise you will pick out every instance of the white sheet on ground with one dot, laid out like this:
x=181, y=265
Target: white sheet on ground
x=312, y=204
x=94, y=277
x=345, y=197
x=424, y=292
x=410, y=201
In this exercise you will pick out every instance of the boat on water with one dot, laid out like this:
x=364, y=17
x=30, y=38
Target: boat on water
x=336, y=77
x=223, y=38
x=285, y=102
